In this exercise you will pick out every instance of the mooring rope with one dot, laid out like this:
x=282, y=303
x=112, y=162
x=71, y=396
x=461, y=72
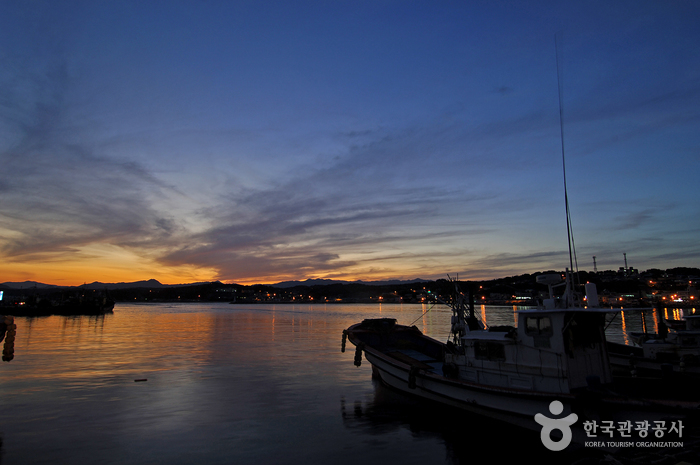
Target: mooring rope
x=424, y=313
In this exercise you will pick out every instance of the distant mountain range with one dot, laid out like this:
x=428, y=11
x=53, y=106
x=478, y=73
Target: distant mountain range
x=326, y=282
x=150, y=284
x=155, y=284
x=27, y=285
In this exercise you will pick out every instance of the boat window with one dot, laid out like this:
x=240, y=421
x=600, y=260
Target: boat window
x=541, y=325
x=487, y=350
x=583, y=330
x=540, y=328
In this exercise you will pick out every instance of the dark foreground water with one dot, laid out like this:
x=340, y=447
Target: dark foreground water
x=233, y=384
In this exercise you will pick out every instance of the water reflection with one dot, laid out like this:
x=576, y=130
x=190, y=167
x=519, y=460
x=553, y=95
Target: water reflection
x=224, y=384
x=228, y=383
x=136, y=335
x=623, y=319
x=465, y=437
x=8, y=332
x=623, y=323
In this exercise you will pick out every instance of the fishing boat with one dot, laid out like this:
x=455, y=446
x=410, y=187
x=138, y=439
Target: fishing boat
x=557, y=352
x=555, y=361
x=674, y=350
x=556, y=356
x=681, y=336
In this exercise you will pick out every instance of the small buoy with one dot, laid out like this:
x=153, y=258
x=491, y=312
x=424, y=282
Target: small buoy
x=358, y=357
x=140, y=380
x=358, y=354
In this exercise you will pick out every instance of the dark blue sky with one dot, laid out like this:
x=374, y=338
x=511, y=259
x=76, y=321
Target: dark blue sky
x=264, y=141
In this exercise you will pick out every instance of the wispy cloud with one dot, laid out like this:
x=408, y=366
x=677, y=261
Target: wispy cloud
x=366, y=155
x=392, y=194
x=64, y=193
x=57, y=192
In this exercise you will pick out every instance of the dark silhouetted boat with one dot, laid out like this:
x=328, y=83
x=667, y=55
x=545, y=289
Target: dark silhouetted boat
x=78, y=302
x=674, y=350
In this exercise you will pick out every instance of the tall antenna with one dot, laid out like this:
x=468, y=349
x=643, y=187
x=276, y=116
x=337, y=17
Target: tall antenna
x=569, y=232
x=595, y=267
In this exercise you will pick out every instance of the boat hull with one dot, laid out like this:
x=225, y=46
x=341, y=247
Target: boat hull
x=460, y=394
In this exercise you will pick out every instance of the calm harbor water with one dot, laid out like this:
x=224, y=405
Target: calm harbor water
x=244, y=384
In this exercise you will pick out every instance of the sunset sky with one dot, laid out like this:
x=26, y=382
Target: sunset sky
x=262, y=141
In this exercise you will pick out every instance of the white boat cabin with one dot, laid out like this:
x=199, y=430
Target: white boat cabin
x=551, y=351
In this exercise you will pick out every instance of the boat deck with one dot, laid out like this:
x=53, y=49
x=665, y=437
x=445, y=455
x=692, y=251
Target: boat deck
x=417, y=359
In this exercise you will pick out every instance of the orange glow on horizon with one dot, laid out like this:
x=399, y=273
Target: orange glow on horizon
x=130, y=269
x=101, y=263
x=112, y=264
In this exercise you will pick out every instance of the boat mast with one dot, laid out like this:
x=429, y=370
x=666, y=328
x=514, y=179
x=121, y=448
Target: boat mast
x=569, y=232
x=464, y=318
